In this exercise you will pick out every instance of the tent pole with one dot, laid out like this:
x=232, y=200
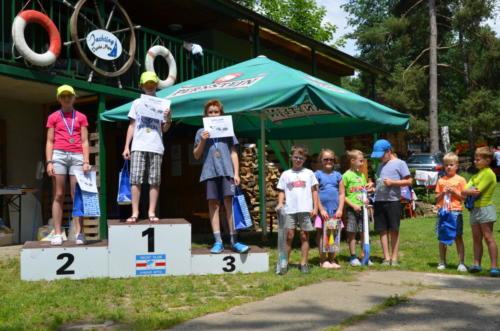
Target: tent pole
x=103, y=220
x=262, y=174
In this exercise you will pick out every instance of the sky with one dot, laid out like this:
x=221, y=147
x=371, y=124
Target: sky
x=337, y=16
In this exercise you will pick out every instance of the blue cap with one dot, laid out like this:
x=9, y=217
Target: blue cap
x=380, y=147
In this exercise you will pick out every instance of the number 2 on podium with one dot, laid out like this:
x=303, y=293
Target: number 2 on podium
x=151, y=238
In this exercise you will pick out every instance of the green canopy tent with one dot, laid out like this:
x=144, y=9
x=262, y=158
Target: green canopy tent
x=273, y=101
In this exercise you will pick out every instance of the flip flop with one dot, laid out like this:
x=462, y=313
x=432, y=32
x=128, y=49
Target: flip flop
x=495, y=273
x=131, y=219
x=154, y=219
x=475, y=269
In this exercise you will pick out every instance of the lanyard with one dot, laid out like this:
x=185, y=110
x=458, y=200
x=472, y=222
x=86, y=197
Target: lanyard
x=70, y=131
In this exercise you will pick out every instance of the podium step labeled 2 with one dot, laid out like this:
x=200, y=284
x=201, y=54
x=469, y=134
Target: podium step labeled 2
x=203, y=262
x=149, y=249
x=40, y=260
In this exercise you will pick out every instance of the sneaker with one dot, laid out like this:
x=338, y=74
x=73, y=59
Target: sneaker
x=370, y=263
x=304, y=268
x=57, y=240
x=474, y=269
x=355, y=262
x=386, y=263
x=462, y=268
x=80, y=239
x=240, y=248
x=442, y=266
x=283, y=270
x=494, y=272
x=217, y=248
x=394, y=263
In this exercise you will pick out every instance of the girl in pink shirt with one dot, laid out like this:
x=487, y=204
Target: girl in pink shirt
x=67, y=150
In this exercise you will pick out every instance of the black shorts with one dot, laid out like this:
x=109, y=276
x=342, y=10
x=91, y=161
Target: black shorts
x=387, y=215
x=219, y=187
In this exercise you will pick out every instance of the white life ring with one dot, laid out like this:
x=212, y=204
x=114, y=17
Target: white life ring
x=172, y=66
x=32, y=16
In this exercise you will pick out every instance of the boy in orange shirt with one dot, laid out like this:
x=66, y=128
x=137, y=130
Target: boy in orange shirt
x=449, y=191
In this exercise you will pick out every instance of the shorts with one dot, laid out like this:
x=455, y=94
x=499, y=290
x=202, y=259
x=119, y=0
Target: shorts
x=481, y=215
x=303, y=220
x=65, y=162
x=354, y=220
x=460, y=222
x=387, y=215
x=219, y=187
x=318, y=221
x=140, y=162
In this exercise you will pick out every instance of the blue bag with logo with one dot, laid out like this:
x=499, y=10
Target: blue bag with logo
x=85, y=203
x=447, y=224
x=124, y=193
x=241, y=215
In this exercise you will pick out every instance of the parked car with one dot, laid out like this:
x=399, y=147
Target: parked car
x=426, y=161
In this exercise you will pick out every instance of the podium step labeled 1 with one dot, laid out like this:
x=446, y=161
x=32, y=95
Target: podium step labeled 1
x=204, y=263
x=149, y=249
x=42, y=261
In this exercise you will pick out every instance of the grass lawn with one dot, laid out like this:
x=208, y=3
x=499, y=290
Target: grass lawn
x=159, y=302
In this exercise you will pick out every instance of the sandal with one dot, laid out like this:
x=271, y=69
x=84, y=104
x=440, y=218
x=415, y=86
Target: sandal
x=131, y=219
x=495, y=272
x=474, y=269
x=154, y=219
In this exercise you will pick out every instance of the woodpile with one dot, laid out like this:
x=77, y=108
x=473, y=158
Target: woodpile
x=249, y=174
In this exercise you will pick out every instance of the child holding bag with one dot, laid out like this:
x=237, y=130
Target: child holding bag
x=331, y=201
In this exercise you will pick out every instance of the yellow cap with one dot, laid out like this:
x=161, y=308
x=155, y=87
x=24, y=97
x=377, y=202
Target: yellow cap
x=65, y=88
x=149, y=76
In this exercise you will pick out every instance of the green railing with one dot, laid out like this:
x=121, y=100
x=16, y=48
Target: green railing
x=69, y=64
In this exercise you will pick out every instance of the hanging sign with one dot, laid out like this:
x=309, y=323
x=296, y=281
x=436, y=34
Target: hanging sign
x=104, y=44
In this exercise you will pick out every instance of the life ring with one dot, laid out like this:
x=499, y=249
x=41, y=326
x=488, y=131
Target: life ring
x=32, y=16
x=152, y=53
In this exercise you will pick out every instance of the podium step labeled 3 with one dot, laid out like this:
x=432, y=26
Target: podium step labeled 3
x=40, y=260
x=204, y=263
x=146, y=249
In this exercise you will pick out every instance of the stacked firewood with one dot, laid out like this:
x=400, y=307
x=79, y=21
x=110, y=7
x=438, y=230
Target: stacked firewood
x=250, y=184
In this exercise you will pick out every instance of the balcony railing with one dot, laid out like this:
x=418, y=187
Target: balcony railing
x=69, y=64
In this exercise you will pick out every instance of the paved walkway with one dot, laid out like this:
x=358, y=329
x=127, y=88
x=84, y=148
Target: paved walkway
x=436, y=302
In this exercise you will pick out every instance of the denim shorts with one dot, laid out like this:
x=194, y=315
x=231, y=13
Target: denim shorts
x=480, y=215
x=65, y=162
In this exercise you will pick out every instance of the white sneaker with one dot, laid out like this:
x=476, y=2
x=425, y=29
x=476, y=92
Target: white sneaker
x=80, y=239
x=442, y=266
x=462, y=268
x=355, y=262
x=370, y=263
x=57, y=240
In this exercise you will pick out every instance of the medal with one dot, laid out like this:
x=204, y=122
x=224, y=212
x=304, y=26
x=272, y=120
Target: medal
x=70, y=131
x=148, y=130
x=217, y=154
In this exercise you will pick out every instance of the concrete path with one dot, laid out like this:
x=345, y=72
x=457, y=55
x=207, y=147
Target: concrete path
x=436, y=302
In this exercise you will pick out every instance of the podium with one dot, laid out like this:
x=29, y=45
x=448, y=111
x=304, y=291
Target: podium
x=136, y=250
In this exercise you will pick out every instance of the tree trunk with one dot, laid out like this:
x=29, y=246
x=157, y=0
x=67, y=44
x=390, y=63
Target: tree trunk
x=433, y=98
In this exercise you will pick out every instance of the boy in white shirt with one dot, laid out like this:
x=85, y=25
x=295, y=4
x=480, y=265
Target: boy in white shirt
x=147, y=149
x=298, y=197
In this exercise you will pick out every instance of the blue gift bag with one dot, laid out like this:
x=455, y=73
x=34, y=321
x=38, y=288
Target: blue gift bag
x=124, y=193
x=241, y=215
x=447, y=224
x=85, y=203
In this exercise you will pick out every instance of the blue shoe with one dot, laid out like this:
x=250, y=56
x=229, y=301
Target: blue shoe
x=240, y=248
x=474, y=269
x=217, y=248
x=495, y=273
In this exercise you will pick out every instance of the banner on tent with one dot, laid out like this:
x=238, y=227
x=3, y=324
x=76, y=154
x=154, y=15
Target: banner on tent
x=276, y=114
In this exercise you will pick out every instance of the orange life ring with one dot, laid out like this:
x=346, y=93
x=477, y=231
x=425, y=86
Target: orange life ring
x=32, y=16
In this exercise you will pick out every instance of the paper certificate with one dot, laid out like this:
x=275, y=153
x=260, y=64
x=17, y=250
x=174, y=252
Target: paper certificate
x=87, y=181
x=153, y=107
x=219, y=126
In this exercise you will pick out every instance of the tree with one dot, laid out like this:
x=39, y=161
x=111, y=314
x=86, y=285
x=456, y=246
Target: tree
x=303, y=16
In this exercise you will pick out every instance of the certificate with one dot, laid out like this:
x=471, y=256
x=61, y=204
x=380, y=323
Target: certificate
x=153, y=107
x=219, y=126
x=87, y=181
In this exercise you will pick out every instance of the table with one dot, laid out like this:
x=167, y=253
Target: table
x=12, y=197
